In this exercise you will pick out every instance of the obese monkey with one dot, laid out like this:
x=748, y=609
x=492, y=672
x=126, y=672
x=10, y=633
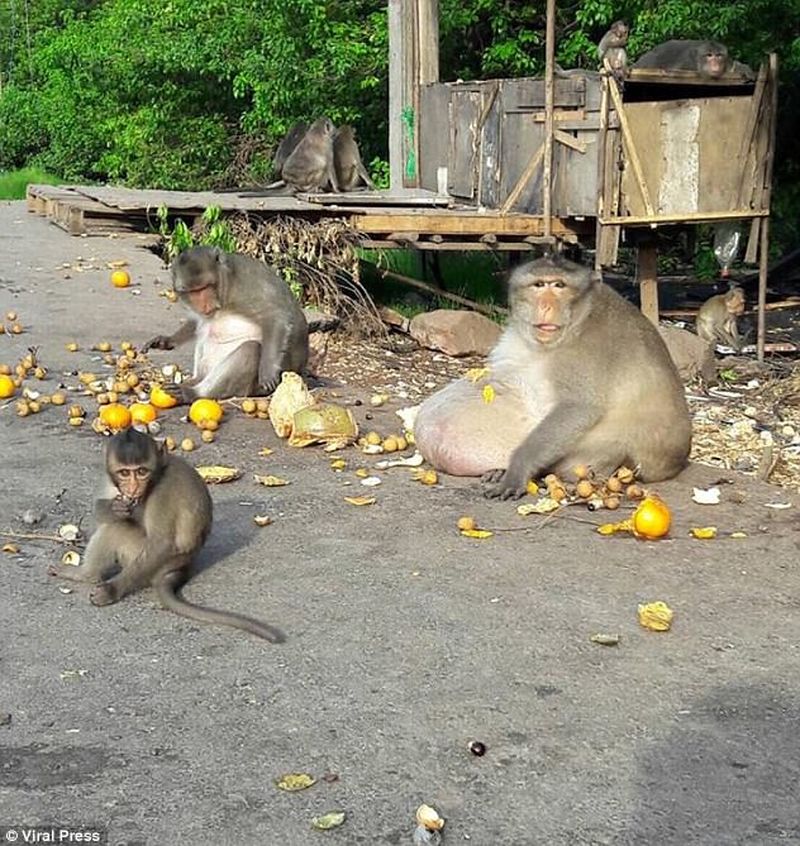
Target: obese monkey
x=710, y=59
x=309, y=167
x=153, y=515
x=350, y=170
x=717, y=318
x=292, y=138
x=247, y=326
x=579, y=376
x=612, y=48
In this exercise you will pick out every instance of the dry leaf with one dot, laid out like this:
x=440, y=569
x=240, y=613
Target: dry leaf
x=476, y=533
x=338, y=464
x=488, y=394
x=266, y=451
x=656, y=616
x=270, y=481
x=333, y=819
x=362, y=472
x=613, y=528
x=216, y=474
x=295, y=781
x=704, y=533
x=360, y=500
x=427, y=477
x=262, y=519
x=739, y=534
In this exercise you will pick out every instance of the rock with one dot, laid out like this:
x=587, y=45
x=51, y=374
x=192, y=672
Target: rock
x=455, y=332
x=394, y=319
x=692, y=355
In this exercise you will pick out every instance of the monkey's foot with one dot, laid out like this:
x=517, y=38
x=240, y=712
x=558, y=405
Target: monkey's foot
x=104, y=594
x=72, y=574
x=501, y=484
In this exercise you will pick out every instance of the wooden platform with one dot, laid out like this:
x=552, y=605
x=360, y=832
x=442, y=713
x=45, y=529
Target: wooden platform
x=417, y=218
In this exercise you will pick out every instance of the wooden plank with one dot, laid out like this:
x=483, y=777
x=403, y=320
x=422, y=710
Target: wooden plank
x=647, y=277
x=685, y=217
x=533, y=164
x=630, y=146
x=458, y=224
x=549, y=105
x=683, y=77
x=490, y=164
x=463, y=158
x=395, y=21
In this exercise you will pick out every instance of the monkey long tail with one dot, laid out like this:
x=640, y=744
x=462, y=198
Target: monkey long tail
x=167, y=587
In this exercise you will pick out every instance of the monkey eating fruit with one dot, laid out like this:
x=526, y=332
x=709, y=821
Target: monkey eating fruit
x=247, y=325
x=153, y=515
x=717, y=318
x=579, y=377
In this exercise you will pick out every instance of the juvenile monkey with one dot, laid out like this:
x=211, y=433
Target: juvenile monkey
x=153, y=515
x=247, y=325
x=612, y=48
x=350, y=170
x=579, y=376
x=710, y=59
x=309, y=167
x=292, y=138
x=717, y=318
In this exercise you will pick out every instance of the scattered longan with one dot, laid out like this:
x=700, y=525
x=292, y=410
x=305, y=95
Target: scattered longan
x=23, y=409
x=11, y=315
x=207, y=436
x=40, y=372
x=584, y=489
x=35, y=406
x=103, y=346
x=614, y=485
x=634, y=492
x=76, y=411
x=625, y=475
x=262, y=406
x=390, y=444
x=5, y=370
x=170, y=444
x=16, y=329
x=249, y=406
x=402, y=443
x=611, y=502
x=582, y=471
x=372, y=438
x=76, y=421
x=466, y=524
x=72, y=346
x=58, y=398
x=187, y=444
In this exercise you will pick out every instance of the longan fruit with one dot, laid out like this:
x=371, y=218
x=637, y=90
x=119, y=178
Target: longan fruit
x=614, y=485
x=372, y=438
x=187, y=444
x=466, y=524
x=249, y=406
x=207, y=436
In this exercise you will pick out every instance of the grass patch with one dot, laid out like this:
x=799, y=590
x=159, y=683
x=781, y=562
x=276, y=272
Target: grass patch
x=14, y=182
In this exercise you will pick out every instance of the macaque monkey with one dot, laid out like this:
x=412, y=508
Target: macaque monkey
x=612, y=49
x=716, y=319
x=350, y=170
x=153, y=515
x=247, y=325
x=309, y=167
x=579, y=376
x=710, y=59
x=292, y=138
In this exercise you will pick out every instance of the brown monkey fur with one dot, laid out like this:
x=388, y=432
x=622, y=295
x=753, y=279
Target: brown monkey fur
x=710, y=59
x=350, y=170
x=309, y=167
x=716, y=319
x=579, y=375
x=612, y=48
x=153, y=515
x=247, y=325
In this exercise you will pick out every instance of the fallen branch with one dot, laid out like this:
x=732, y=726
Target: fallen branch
x=488, y=310
x=33, y=536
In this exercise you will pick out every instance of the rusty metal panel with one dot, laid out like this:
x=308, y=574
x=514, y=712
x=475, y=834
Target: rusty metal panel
x=689, y=154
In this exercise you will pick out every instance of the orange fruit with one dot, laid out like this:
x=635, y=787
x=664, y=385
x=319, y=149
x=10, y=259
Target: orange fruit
x=120, y=279
x=652, y=519
x=160, y=398
x=115, y=416
x=142, y=412
x=7, y=386
x=203, y=410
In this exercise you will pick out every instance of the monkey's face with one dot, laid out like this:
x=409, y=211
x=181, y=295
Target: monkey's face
x=714, y=61
x=131, y=480
x=202, y=300
x=734, y=303
x=543, y=308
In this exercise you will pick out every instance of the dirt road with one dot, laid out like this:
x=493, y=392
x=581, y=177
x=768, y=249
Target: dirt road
x=405, y=641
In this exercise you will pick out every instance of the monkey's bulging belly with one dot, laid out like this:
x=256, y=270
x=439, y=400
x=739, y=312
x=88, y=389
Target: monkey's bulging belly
x=218, y=337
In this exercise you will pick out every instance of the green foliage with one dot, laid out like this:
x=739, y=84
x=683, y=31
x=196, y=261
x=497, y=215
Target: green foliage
x=214, y=232
x=13, y=185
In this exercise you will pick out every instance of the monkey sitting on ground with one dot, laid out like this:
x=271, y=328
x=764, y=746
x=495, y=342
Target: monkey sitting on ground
x=153, y=515
x=579, y=376
x=717, y=318
x=247, y=325
x=710, y=59
x=612, y=49
x=350, y=170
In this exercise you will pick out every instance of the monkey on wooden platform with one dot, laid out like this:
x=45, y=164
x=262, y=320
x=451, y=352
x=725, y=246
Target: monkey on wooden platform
x=247, y=325
x=710, y=59
x=579, y=376
x=153, y=516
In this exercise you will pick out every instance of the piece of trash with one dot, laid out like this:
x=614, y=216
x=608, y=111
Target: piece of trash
x=71, y=558
x=10, y=548
x=413, y=461
x=270, y=481
x=216, y=474
x=429, y=818
x=705, y=533
x=656, y=616
x=262, y=519
x=69, y=532
x=371, y=481
x=778, y=505
x=333, y=819
x=72, y=674
x=544, y=505
x=360, y=500
x=606, y=639
x=292, y=782
x=708, y=496
x=480, y=534
x=477, y=748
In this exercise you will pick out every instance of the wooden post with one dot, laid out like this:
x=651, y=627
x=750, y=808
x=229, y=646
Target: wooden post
x=413, y=61
x=647, y=277
x=763, y=265
x=549, y=97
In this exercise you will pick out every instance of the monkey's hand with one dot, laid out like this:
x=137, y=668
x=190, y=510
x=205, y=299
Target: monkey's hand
x=160, y=342
x=122, y=507
x=505, y=484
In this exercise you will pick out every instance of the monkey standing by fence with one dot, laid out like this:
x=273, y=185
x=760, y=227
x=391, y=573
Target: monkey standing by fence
x=579, y=376
x=153, y=515
x=247, y=325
